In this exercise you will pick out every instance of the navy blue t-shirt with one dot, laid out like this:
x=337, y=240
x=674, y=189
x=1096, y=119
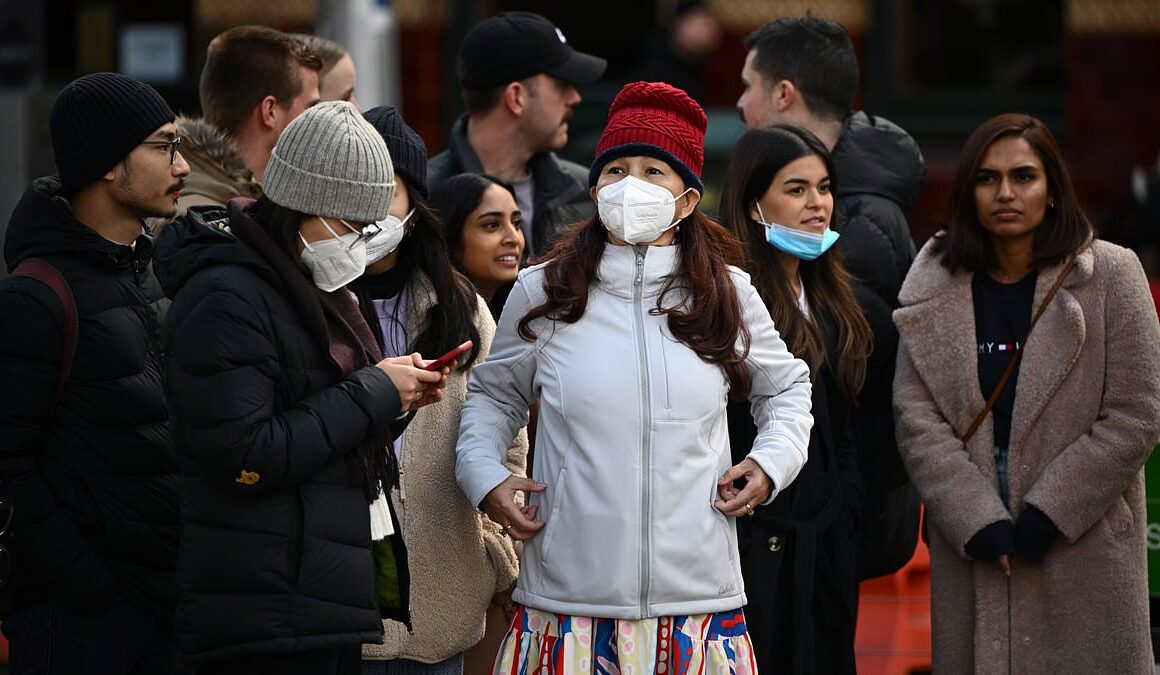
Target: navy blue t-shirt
x=1002, y=315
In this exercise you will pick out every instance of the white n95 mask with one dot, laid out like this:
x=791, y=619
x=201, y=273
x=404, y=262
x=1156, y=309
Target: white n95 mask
x=335, y=262
x=387, y=237
x=635, y=210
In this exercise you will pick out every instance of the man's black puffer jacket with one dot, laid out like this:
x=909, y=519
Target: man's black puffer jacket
x=879, y=174
x=96, y=510
x=275, y=548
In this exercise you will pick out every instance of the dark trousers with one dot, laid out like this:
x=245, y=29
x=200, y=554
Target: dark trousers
x=345, y=660
x=52, y=638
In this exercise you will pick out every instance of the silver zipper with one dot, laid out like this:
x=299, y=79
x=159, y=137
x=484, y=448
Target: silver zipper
x=402, y=463
x=646, y=424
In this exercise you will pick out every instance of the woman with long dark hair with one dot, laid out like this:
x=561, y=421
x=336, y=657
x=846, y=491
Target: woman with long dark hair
x=632, y=336
x=284, y=410
x=415, y=301
x=1028, y=399
x=481, y=222
x=798, y=553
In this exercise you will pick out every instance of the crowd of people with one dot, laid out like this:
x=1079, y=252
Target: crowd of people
x=663, y=442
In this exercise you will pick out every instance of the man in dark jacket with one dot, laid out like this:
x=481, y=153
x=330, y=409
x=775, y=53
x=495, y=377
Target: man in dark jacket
x=91, y=474
x=518, y=75
x=803, y=71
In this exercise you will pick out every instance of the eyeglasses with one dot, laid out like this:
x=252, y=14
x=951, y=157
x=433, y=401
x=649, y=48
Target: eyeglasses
x=173, y=146
x=370, y=230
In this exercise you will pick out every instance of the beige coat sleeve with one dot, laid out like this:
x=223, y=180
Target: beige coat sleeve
x=500, y=548
x=1080, y=484
x=960, y=499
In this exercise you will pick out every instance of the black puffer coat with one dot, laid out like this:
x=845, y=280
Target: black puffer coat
x=879, y=174
x=96, y=510
x=275, y=551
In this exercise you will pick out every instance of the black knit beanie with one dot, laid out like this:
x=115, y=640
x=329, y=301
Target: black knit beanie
x=408, y=153
x=97, y=120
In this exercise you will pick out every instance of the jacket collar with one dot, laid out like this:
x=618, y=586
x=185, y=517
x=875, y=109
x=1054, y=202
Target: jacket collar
x=43, y=224
x=217, y=170
x=618, y=268
x=936, y=323
x=549, y=177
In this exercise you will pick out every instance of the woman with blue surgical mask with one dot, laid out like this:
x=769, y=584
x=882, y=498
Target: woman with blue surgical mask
x=631, y=337
x=460, y=563
x=798, y=554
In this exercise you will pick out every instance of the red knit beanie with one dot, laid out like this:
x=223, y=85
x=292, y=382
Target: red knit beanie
x=657, y=120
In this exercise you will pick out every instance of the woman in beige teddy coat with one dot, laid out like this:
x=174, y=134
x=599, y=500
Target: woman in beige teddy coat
x=1037, y=522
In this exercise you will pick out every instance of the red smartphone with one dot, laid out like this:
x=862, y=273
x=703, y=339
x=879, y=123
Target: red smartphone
x=449, y=357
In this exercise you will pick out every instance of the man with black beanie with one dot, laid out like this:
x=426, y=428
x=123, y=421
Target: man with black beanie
x=85, y=450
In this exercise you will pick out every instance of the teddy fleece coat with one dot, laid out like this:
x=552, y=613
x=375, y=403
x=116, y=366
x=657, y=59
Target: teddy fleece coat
x=1086, y=416
x=457, y=557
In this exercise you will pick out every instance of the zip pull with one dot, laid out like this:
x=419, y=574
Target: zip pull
x=640, y=252
x=402, y=454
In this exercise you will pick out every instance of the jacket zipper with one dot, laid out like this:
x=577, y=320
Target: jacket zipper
x=646, y=425
x=402, y=467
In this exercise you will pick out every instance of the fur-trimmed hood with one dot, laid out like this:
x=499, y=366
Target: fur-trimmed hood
x=216, y=170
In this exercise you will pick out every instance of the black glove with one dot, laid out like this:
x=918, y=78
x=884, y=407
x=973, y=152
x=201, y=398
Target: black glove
x=1034, y=534
x=991, y=542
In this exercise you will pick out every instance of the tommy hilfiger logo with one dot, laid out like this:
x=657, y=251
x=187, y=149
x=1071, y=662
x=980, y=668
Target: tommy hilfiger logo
x=992, y=347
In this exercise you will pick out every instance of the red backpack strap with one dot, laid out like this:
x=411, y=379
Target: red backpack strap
x=44, y=272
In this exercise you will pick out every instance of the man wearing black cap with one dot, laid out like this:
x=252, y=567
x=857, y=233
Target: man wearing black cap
x=85, y=449
x=518, y=74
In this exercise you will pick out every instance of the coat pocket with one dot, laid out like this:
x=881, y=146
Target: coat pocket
x=1120, y=518
x=553, y=516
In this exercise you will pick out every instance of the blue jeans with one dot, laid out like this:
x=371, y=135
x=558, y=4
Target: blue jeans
x=1001, y=471
x=52, y=638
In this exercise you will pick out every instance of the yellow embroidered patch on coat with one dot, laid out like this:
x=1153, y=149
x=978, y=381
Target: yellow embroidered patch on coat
x=247, y=477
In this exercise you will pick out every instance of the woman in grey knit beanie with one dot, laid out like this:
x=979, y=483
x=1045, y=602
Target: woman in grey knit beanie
x=285, y=409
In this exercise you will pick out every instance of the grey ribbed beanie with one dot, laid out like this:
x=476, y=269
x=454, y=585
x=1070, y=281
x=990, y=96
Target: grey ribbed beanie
x=331, y=162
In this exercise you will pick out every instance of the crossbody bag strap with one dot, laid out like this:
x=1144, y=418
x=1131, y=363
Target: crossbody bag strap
x=44, y=272
x=1014, y=362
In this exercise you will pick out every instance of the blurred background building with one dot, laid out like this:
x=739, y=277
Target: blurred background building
x=1089, y=68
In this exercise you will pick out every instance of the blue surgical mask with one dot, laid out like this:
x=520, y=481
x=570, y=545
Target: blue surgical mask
x=798, y=243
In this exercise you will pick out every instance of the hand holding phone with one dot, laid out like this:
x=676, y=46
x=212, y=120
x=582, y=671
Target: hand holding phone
x=448, y=358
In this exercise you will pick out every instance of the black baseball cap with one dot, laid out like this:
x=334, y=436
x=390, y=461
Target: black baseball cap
x=517, y=45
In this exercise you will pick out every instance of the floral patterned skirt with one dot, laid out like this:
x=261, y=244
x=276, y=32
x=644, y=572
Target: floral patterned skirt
x=541, y=643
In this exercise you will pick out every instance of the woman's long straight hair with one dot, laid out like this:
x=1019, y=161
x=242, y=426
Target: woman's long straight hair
x=757, y=157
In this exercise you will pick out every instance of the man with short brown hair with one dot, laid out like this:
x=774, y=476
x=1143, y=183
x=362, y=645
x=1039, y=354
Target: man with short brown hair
x=255, y=81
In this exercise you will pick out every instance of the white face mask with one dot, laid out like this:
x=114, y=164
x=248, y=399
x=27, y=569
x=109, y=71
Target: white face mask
x=635, y=210
x=334, y=263
x=387, y=237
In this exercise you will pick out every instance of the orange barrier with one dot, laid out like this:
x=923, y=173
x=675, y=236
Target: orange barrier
x=893, y=636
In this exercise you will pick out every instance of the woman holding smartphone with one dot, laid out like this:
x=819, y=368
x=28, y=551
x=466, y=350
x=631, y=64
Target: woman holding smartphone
x=460, y=563
x=283, y=408
x=632, y=336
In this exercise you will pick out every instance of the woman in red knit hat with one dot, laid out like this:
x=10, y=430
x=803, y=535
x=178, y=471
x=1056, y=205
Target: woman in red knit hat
x=632, y=336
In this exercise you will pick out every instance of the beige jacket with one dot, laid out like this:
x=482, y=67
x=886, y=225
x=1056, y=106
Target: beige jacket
x=1086, y=416
x=216, y=172
x=458, y=559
